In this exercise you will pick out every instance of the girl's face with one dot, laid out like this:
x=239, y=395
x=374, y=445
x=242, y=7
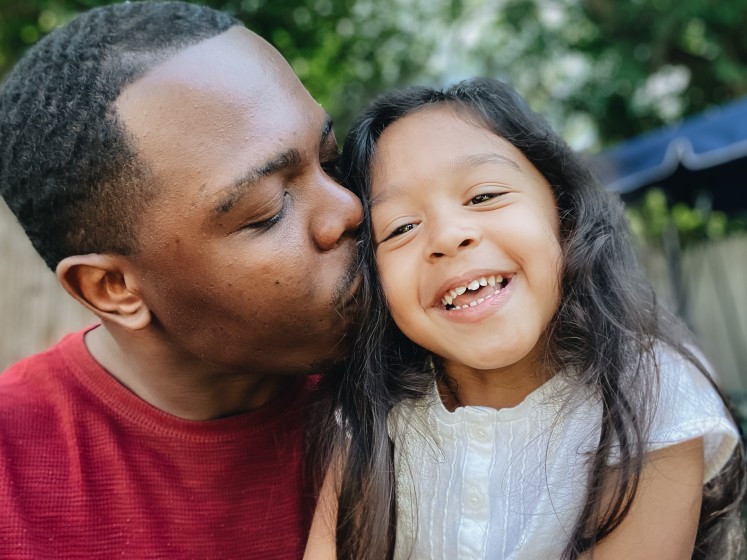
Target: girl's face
x=466, y=234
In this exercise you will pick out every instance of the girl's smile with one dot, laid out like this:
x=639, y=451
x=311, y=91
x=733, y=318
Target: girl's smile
x=474, y=300
x=467, y=246
x=469, y=293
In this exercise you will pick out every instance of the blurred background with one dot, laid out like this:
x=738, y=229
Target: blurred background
x=653, y=91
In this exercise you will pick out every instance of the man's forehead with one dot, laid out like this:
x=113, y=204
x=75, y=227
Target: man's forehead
x=207, y=86
x=234, y=61
x=230, y=97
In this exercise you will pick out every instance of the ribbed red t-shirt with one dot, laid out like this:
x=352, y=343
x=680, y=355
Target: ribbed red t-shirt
x=88, y=470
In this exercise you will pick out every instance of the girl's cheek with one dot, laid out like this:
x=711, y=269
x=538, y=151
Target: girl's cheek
x=396, y=298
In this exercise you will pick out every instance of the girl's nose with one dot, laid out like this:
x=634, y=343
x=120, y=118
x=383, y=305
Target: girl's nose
x=449, y=237
x=337, y=215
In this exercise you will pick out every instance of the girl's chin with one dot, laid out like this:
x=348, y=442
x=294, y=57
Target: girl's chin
x=487, y=365
x=493, y=360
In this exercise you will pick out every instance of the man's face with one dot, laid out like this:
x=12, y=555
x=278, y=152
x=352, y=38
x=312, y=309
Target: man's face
x=248, y=258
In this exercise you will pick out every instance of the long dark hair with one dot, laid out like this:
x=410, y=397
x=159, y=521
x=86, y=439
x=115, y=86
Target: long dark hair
x=605, y=330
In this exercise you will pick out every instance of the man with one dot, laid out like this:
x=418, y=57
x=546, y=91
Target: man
x=172, y=170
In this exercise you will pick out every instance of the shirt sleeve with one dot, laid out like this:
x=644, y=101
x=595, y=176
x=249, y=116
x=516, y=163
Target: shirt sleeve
x=688, y=408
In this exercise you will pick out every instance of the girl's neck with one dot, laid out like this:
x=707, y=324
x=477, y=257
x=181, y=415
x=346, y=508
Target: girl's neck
x=503, y=387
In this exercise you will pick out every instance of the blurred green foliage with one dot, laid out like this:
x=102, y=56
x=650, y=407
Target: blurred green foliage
x=648, y=62
x=615, y=68
x=344, y=51
x=653, y=217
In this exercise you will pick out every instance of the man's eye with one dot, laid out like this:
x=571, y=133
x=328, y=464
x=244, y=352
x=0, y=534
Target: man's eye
x=332, y=167
x=269, y=222
x=266, y=224
x=480, y=198
x=400, y=230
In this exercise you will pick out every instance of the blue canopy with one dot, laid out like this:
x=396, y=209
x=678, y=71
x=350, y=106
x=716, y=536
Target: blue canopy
x=704, y=153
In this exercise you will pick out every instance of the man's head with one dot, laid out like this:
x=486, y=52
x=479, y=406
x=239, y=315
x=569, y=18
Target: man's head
x=171, y=167
x=66, y=159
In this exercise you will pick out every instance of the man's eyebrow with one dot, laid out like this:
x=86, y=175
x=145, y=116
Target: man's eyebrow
x=231, y=194
x=234, y=192
x=326, y=130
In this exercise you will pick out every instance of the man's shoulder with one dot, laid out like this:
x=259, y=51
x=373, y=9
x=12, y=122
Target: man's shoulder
x=34, y=380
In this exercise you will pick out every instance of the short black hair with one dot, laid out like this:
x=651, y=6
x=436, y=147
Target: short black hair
x=67, y=169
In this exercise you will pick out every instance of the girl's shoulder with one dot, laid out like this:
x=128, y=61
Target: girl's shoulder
x=688, y=406
x=682, y=382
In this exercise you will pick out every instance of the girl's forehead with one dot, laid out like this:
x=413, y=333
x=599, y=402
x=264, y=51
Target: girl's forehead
x=433, y=130
x=435, y=140
x=423, y=121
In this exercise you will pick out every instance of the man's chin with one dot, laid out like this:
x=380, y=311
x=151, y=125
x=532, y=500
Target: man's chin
x=351, y=296
x=328, y=368
x=334, y=360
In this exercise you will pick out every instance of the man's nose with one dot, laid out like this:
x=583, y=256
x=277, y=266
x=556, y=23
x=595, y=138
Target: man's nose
x=450, y=235
x=336, y=216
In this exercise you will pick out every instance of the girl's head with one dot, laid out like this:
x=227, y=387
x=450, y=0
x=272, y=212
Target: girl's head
x=467, y=184
x=466, y=239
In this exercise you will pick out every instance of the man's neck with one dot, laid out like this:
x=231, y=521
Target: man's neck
x=179, y=388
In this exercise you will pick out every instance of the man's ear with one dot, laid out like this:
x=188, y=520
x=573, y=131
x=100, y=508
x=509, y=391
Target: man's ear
x=105, y=286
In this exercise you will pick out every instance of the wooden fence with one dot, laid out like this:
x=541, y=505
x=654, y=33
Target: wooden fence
x=35, y=311
x=713, y=280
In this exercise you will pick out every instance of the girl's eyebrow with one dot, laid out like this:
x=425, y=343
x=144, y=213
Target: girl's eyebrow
x=475, y=160
x=472, y=160
x=390, y=192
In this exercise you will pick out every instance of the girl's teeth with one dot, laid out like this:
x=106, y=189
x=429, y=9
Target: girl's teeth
x=495, y=281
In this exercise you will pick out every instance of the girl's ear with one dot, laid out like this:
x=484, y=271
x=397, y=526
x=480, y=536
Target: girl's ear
x=103, y=284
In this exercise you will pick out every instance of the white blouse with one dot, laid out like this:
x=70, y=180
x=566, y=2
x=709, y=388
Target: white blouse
x=509, y=484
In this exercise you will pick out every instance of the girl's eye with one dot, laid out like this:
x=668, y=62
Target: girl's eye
x=480, y=198
x=400, y=230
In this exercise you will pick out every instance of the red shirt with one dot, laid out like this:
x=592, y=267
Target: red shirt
x=89, y=470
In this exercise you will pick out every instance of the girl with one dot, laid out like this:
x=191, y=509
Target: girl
x=516, y=392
